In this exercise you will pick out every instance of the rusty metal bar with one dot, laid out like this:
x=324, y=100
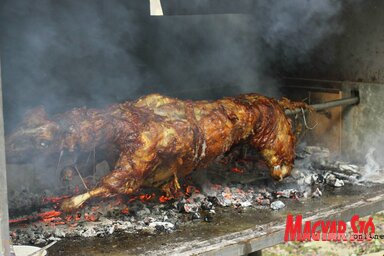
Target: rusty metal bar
x=4, y=226
x=326, y=105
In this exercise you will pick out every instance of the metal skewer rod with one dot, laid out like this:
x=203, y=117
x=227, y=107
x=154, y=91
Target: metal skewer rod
x=326, y=105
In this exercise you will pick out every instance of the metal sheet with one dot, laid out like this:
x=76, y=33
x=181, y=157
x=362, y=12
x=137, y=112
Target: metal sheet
x=327, y=123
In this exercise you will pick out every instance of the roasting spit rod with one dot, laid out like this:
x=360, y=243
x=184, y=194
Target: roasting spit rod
x=326, y=105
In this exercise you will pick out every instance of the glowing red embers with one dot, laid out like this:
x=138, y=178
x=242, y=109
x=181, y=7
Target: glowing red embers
x=91, y=217
x=78, y=216
x=125, y=210
x=189, y=190
x=164, y=199
x=49, y=214
x=237, y=170
x=18, y=220
x=53, y=199
x=52, y=217
x=146, y=197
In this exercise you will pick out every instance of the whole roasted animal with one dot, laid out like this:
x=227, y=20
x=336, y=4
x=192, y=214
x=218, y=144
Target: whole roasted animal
x=160, y=139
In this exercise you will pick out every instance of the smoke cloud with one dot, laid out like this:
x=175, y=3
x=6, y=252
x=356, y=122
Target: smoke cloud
x=63, y=54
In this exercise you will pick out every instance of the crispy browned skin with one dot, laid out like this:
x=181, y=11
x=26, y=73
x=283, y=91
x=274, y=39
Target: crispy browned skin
x=161, y=138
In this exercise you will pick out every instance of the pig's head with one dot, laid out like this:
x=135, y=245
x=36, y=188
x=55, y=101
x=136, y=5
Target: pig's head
x=35, y=135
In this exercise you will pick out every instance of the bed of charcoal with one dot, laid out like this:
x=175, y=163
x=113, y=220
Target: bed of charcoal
x=236, y=181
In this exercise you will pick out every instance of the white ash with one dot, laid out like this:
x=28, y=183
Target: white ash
x=162, y=226
x=331, y=180
x=277, y=205
x=317, y=193
x=288, y=193
x=315, y=166
x=315, y=169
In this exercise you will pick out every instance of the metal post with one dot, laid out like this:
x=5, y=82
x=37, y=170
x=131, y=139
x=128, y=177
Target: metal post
x=4, y=224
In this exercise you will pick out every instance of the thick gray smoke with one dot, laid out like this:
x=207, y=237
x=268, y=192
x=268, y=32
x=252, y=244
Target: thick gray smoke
x=293, y=29
x=63, y=54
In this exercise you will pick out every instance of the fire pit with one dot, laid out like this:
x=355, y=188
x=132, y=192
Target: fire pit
x=234, y=190
x=254, y=228
x=188, y=168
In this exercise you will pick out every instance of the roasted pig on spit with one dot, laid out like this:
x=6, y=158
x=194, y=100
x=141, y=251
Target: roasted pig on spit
x=160, y=139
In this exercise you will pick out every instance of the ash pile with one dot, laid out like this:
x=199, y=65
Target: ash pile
x=315, y=167
x=235, y=181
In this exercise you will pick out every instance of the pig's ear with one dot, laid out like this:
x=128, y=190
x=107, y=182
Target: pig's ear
x=35, y=117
